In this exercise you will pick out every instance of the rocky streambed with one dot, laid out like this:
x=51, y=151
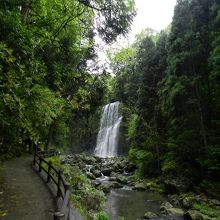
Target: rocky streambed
x=134, y=199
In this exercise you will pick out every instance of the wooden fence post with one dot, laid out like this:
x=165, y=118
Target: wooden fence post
x=40, y=161
x=58, y=216
x=34, y=162
x=67, y=187
x=48, y=172
x=58, y=183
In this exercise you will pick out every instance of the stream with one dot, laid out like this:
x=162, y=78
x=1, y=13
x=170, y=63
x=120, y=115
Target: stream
x=132, y=205
x=125, y=197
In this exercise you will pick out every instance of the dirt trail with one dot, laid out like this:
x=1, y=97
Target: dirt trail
x=23, y=195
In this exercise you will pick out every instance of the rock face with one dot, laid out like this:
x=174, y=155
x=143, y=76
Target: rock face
x=193, y=215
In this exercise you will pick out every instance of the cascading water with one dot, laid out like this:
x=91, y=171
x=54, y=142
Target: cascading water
x=107, y=139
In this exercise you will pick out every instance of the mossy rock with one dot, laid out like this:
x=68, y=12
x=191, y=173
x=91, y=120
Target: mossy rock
x=150, y=215
x=193, y=215
x=188, y=202
x=139, y=187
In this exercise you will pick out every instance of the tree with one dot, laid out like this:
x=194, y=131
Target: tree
x=44, y=48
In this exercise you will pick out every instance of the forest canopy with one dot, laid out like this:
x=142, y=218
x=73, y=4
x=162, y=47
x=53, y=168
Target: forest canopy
x=167, y=82
x=169, y=85
x=44, y=48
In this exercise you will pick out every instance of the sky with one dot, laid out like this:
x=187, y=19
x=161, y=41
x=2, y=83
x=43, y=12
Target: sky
x=156, y=14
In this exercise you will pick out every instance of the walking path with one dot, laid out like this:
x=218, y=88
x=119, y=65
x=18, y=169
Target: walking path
x=23, y=195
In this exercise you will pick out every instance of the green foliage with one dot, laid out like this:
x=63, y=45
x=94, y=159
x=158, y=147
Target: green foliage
x=44, y=49
x=211, y=187
x=169, y=166
x=169, y=85
x=207, y=210
x=145, y=160
x=116, y=17
x=102, y=216
x=88, y=199
x=132, y=126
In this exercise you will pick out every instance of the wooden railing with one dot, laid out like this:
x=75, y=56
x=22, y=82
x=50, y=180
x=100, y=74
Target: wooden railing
x=51, y=175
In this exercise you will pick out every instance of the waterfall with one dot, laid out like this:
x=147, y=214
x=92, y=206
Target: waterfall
x=107, y=139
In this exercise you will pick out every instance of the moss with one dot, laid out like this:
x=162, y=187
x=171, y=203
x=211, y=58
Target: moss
x=208, y=210
x=156, y=186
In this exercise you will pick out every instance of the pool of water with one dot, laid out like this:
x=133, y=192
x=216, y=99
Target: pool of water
x=132, y=205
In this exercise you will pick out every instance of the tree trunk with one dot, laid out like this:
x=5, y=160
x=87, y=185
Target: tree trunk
x=25, y=11
x=202, y=123
x=49, y=137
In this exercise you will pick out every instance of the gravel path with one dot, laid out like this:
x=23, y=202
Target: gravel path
x=23, y=195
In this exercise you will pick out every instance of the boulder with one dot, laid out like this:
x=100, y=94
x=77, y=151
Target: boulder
x=106, y=188
x=175, y=212
x=122, y=179
x=150, y=215
x=81, y=165
x=176, y=186
x=89, y=159
x=90, y=176
x=116, y=185
x=96, y=173
x=117, y=166
x=215, y=202
x=96, y=167
x=175, y=200
x=193, y=215
x=148, y=185
x=106, y=171
x=96, y=183
x=130, y=168
x=98, y=159
x=112, y=178
x=63, y=161
x=139, y=187
x=113, y=174
x=188, y=202
x=165, y=206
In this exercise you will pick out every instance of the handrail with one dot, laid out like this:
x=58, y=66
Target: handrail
x=55, y=176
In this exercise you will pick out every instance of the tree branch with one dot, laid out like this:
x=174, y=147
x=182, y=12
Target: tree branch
x=92, y=6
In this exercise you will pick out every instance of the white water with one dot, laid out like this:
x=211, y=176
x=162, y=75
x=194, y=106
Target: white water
x=107, y=139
